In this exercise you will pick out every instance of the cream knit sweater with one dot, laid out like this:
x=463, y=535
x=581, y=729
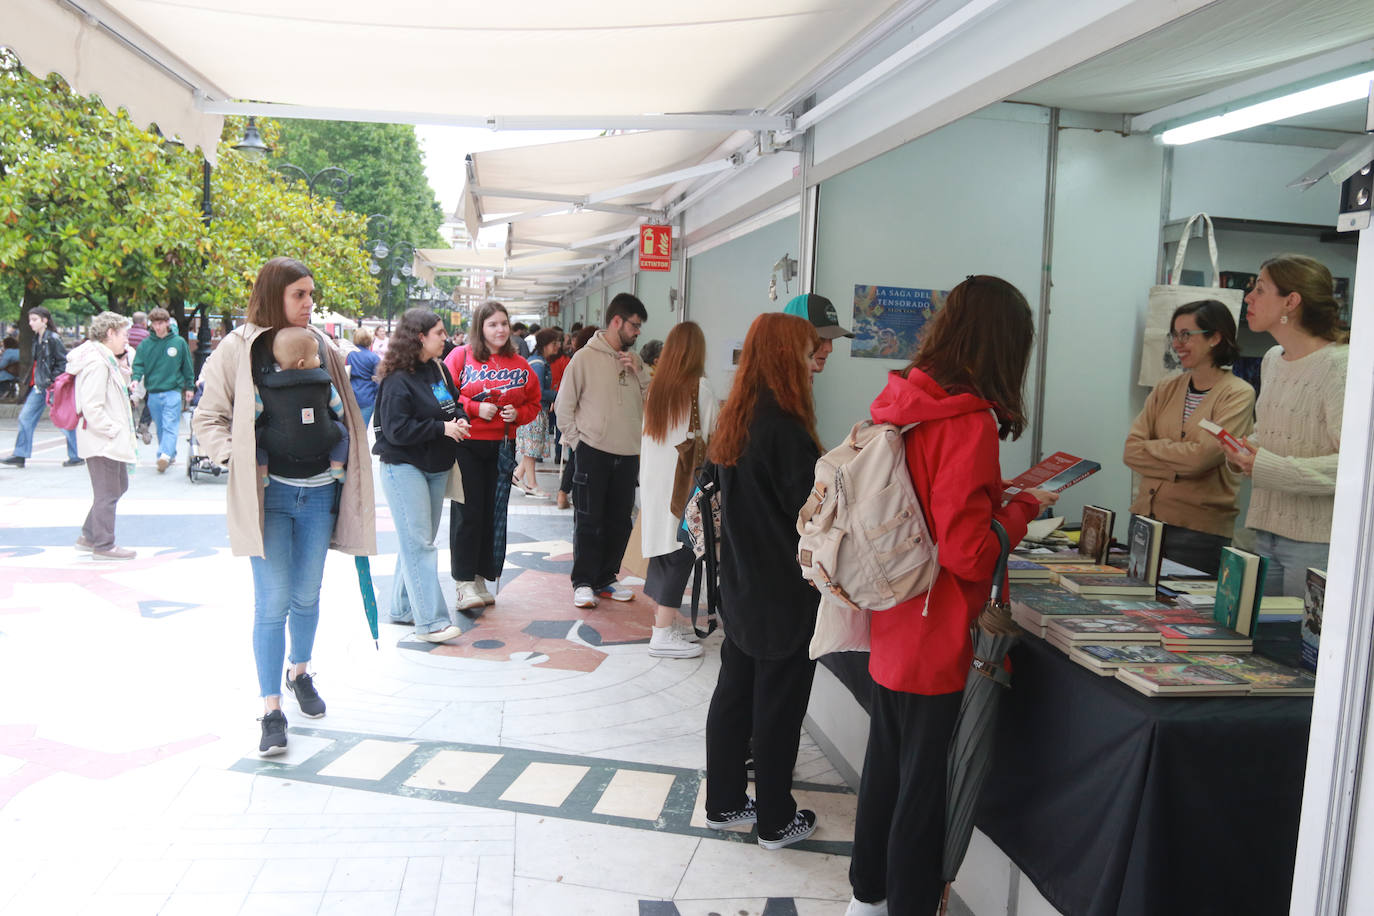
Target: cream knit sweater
x=1298, y=431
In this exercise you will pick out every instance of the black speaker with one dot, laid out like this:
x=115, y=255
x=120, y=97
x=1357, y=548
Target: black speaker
x=1356, y=192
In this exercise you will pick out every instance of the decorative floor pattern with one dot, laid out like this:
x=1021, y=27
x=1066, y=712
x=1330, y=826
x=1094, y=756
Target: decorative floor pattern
x=596, y=790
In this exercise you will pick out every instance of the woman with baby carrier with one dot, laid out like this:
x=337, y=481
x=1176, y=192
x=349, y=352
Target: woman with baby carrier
x=287, y=523
x=964, y=393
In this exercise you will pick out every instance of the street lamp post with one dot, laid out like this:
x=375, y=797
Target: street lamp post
x=390, y=264
x=332, y=180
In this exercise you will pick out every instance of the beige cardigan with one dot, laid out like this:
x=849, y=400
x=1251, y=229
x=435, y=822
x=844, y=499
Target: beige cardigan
x=600, y=403
x=1184, y=478
x=224, y=427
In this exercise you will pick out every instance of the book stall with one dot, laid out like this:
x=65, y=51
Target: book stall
x=1150, y=753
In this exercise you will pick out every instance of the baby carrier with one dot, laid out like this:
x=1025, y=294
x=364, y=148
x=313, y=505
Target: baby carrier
x=296, y=428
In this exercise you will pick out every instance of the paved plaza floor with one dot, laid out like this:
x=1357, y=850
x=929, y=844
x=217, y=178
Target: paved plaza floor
x=541, y=763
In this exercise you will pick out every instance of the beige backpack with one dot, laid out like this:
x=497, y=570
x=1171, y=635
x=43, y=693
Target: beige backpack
x=864, y=540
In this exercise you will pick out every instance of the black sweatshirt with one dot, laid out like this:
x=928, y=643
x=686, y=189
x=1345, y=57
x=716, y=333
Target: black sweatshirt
x=411, y=410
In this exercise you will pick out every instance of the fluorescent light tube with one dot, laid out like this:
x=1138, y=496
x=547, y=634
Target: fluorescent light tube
x=1350, y=89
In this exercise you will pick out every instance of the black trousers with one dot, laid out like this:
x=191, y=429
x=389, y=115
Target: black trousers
x=565, y=482
x=764, y=699
x=603, y=497
x=472, y=523
x=1197, y=549
x=899, y=831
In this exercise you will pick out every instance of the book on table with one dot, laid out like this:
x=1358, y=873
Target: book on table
x=1107, y=586
x=1048, y=556
x=1103, y=630
x=1019, y=569
x=1203, y=637
x=1182, y=680
x=1314, y=600
x=1168, y=616
x=1084, y=569
x=1144, y=536
x=1095, y=534
x=1034, y=611
x=1204, y=602
x=1189, y=586
x=1275, y=608
x=1056, y=473
x=1238, y=583
x=1266, y=677
x=1106, y=659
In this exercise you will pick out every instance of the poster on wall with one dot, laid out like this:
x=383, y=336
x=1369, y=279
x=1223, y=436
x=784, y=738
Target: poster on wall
x=888, y=320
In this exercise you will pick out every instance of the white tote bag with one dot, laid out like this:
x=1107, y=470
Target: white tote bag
x=1157, y=358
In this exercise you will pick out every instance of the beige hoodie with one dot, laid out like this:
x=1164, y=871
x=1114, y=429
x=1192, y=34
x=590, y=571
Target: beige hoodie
x=224, y=427
x=600, y=402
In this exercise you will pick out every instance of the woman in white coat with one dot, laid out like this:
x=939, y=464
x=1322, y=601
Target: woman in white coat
x=105, y=434
x=680, y=405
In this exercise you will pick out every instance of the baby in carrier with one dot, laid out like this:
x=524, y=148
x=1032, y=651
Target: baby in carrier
x=298, y=411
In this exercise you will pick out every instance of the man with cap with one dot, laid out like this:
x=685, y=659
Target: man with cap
x=821, y=313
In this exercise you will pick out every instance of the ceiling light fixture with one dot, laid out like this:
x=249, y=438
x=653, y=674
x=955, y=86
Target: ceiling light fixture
x=1349, y=89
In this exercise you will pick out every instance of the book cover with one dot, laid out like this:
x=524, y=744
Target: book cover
x=1235, y=602
x=1038, y=611
x=1144, y=536
x=1190, y=586
x=1106, y=659
x=1095, y=533
x=1085, y=569
x=1107, y=586
x=1168, y=615
x=1182, y=680
x=1198, y=637
x=1265, y=676
x=1057, y=472
x=1223, y=436
x=1025, y=569
x=1121, y=605
x=1312, y=604
x=1047, y=557
x=1105, y=629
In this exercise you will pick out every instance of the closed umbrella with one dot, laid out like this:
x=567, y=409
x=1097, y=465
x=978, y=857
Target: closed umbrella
x=971, y=747
x=505, y=467
x=369, y=597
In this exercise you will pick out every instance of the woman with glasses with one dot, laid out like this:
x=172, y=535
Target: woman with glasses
x=1184, y=481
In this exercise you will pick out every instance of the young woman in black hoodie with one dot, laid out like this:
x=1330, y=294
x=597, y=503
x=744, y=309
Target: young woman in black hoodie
x=765, y=447
x=419, y=422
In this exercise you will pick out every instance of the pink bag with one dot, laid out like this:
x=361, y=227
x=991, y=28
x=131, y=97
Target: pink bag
x=62, y=402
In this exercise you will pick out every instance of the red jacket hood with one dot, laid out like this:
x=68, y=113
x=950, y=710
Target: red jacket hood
x=918, y=398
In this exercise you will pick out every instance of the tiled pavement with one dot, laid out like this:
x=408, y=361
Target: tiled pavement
x=542, y=763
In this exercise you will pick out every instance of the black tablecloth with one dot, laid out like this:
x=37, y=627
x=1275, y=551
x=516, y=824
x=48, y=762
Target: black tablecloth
x=1115, y=803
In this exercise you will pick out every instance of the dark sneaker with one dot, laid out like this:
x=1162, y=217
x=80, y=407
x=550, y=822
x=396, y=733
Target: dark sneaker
x=273, y=734
x=13, y=461
x=801, y=827
x=73, y=462
x=745, y=815
x=307, y=697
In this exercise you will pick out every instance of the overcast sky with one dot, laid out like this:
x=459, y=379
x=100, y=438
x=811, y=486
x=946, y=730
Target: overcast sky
x=445, y=147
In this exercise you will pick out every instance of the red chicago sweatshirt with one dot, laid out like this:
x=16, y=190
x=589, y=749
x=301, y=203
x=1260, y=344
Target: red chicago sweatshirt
x=952, y=458
x=500, y=380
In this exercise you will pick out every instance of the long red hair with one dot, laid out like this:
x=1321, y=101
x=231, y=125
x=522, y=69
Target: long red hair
x=776, y=358
x=676, y=378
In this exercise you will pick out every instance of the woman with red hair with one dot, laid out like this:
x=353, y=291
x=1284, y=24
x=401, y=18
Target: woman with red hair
x=765, y=449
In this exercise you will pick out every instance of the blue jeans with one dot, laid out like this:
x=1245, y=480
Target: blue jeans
x=367, y=414
x=29, y=415
x=416, y=499
x=165, y=406
x=297, y=525
x=1288, y=562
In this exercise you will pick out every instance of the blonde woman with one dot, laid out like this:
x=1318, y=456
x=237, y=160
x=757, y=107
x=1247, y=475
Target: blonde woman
x=106, y=438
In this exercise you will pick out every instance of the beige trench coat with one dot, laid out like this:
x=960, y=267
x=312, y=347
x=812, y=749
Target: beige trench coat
x=224, y=427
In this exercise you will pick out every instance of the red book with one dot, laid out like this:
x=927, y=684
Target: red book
x=1220, y=432
x=1057, y=472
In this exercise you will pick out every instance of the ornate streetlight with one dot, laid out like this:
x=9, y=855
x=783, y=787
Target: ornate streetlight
x=333, y=181
x=391, y=263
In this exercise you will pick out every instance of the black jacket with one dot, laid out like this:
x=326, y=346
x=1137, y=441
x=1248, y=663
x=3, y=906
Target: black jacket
x=409, y=419
x=49, y=359
x=768, y=608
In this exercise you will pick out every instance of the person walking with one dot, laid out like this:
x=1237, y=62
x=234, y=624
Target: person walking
x=601, y=413
x=963, y=392
x=420, y=423
x=285, y=529
x=363, y=366
x=162, y=366
x=764, y=449
x=499, y=395
x=532, y=439
x=105, y=435
x=49, y=361
x=680, y=408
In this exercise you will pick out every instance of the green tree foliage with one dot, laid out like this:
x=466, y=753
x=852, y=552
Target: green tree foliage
x=387, y=168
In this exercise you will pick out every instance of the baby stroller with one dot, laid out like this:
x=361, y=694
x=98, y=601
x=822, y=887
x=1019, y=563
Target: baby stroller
x=198, y=465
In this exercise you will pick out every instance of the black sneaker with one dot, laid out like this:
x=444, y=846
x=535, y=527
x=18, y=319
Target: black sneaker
x=73, y=462
x=273, y=734
x=307, y=697
x=745, y=815
x=802, y=826
x=13, y=461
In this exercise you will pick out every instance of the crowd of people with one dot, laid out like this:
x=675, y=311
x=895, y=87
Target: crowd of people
x=289, y=414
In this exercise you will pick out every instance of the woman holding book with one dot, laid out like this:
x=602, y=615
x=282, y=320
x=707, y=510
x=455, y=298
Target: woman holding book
x=964, y=392
x=1184, y=481
x=1293, y=454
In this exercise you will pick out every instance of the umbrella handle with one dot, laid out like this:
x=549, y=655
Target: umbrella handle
x=999, y=574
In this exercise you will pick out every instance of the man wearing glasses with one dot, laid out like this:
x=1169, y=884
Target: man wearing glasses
x=600, y=410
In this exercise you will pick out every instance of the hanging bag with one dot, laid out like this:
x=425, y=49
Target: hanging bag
x=1157, y=358
x=691, y=452
x=453, y=487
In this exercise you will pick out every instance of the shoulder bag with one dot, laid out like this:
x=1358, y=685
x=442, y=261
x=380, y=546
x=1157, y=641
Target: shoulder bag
x=691, y=452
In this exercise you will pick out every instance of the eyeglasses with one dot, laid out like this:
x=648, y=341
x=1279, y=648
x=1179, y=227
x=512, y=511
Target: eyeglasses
x=637, y=325
x=1182, y=336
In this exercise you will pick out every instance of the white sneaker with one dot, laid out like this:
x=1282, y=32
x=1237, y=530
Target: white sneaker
x=481, y=587
x=685, y=629
x=468, y=597
x=583, y=597
x=443, y=635
x=616, y=592
x=858, y=908
x=668, y=643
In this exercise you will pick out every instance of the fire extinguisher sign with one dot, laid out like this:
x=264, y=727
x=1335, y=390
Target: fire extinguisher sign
x=655, y=247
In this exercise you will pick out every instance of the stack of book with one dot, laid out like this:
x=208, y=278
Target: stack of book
x=1265, y=676
x=1021, y=570
x=1033, y=609
x=1182, y=680
x=1106, y=586
x=1068, y=632
x=1106, y=659
x=1192, y=637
